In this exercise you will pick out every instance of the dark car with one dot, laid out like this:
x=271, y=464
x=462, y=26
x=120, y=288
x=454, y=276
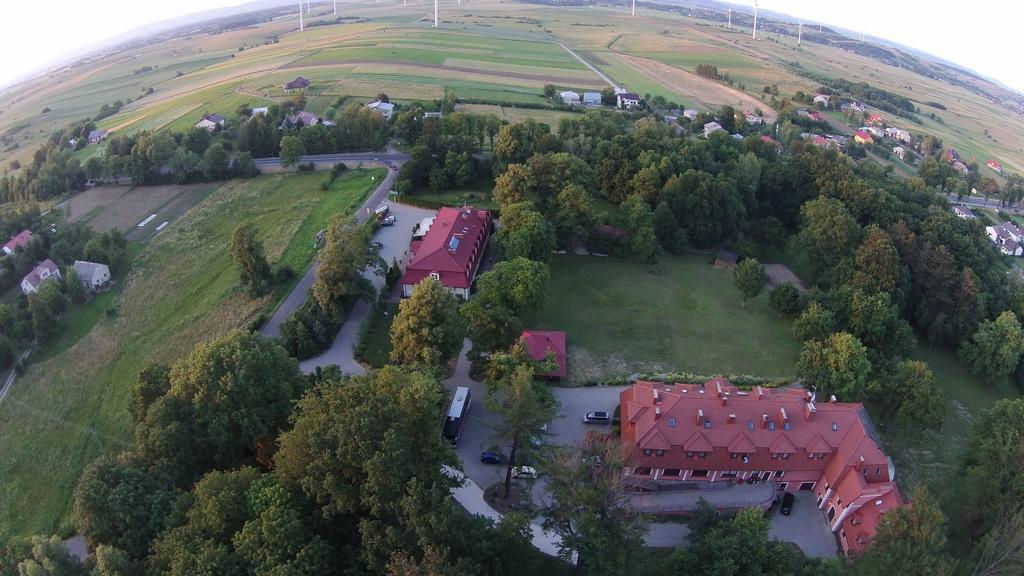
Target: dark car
x=597, y=417
x=490, y=457
x=787, y=503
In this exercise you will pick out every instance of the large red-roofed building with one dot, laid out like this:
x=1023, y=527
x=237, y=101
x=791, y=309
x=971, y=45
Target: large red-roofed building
x=715, y=432
x=450, y=251
x=539, y=343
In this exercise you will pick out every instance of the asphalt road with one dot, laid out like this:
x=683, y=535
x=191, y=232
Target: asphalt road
x=396, y=158
x=973, y=201
x=297, y=296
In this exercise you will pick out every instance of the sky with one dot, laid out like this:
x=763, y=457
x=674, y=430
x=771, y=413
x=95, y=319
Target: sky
x=978, y=35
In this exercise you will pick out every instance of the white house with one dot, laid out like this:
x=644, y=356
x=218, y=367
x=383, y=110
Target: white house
x=92, y=275
x=1007, y=238
x=821, y=99
x=711, y=127
x=753, y=119
x=211, y=122
x=899, y=134
x=627, y=100
x=385, y=109
x=900, y=152
x=691, y=114
x=570, y=97
x=95, y=136
x=963, y=212
x=592, y=98
x=46, y=270
x=260, y=111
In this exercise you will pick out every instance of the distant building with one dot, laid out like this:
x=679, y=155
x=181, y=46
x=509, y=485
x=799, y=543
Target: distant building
x=299, y=83
x=627, y=100
x=821, y=99
x=856, y=105
x=739, y=137
x=961, y=168
x=592, y=98
x=46, y=270
x=773, y=142
x=96, y=136
x=1007, y=238
x=900, y=152
x=862, y=137
x=691, y=114
x=450, y=251
x=21, y=239
x=753, y=119
x=385, y=109
x=261, y=111
x=963, y=212
x=570, y=97
x=300, y=120
x=995, y=166
x=875, y=119
x=540, y=343
x=92, y=275
x=711, y=127
x=432, y=115
x=899, y=134
x=211, y=122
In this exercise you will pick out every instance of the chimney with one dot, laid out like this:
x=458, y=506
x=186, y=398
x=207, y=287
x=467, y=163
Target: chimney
x=732, y=418
x=782, y=413
x=764, y=420
x=725, y=400
x=657, y=412
x=482, y=214
x=832, y=399
x=700, y=417
x=657, y=398
x=718, y=388
x=810, y=411
x=760, y=393
x=465, y=215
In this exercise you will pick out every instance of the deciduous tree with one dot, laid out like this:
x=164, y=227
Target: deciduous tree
x=247, y=252
x=428, y=329
x=838, y=365
x=749, y=278
x=996, y=348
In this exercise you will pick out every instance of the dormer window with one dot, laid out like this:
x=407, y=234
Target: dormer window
x=647, y=451
x=771, y=424
x=835, y=427
x=750, y=424
x=785, y=426
x=707, y=423
x=671, y=422
x=689, y=453
x=435, y=276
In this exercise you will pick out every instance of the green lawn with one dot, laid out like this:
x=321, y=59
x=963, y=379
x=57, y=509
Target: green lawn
x=378, y=348
x=183, y=289
x=682, y=314
x=476, y=194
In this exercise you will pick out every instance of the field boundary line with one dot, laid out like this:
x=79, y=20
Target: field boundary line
x=589, y=65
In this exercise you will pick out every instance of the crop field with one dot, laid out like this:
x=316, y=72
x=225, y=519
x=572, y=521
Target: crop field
x=183, y=289
x=124, y=207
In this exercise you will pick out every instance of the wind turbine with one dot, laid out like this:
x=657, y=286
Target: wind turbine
x=755, y=20
x=634, y=7
x=300, y=16
x=435, y=13
x=335, y=7
x=799, y=32
x=730, y=19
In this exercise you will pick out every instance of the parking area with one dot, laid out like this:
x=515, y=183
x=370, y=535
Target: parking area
x=395, y=239
x=805, y=526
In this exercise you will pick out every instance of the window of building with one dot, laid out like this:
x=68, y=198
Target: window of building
x=707, y=423
x=775, y=455
x=750, y=424
x=878, y=471
x=659, y=453
x=689, y=453
x=701, y=454
x=783, y=485
x=780, y=473
x=785, y=426
x=435, y=276
x=642, y=471
x=672, y=472
x=671, y=422
x=810, y=455
x=821, y=456
x=771, y=424
x=734, y=455
x=730, y=473
x=647, y=451
x=865, y=472
x=835, y=427
x=785, y=456
x=700, y=474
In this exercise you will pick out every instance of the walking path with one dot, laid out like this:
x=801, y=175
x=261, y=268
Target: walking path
x=589, y=65
x=14, y=373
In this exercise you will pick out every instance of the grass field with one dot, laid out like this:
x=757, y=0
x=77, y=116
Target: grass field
x=622, y=317
x=183, y=289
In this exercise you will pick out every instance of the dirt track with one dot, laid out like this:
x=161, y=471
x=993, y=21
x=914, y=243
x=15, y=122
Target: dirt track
x=696, y=88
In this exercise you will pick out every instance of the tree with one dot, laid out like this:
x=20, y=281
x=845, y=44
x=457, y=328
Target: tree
x=992, y=468
x=816, y=322
x=247, y=252
x=245, y=167
x=910, y=540
x=215, y=162
x=49, y=557
x=785, y=299
x=45, y=307
x=588, y=510
x=512, y=186
x=995, y=349
x=292, y=150
x=877, y=263
x=837, y=366
x=749, y=278
x=909, y=391
x=667, y=230
x=339, y=279
x=549, y=90
x=152, y=382
x=517, y=284
x=526, y=233
x=184, y=164
x=111, y=561
x=640, y=228
x=829, y=233
x=574, y=214
x=428, y=329
x=523, y=406
x=74, y=290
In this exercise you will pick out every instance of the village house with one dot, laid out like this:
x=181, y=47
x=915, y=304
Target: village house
x=753, y=119
x=773, y=142
x=46, y=270
x=875, y=120
x=995, y=166
x=961, y=168
x=385, y=109
x=92, y=275
x=432, y=115
x=900, y=152
x=299, y=83
x=963, y=212
x=691, y=114
x=627, y=100
x=875, y=131
x=299, y=120
x=96, y=136
x=260, y=111
x=211, y=122
x=709, y=433
x=21, y=239
x=592, y=98
x=856, y=105
x=821, y=99
x=862, y=137
x=570, y=97
x=540, y=343
x=1007, y=238
x=712, y=127
x=450, y=250
x=816, y=139
x=899, y=134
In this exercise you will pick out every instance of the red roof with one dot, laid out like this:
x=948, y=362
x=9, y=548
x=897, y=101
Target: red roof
x=540, y=342
x=772, y=141
x=994, y=164
x=44, y=270
x=451, y=248
x=20, y=240
x=874, y=119
x=815, y=115
x=668, y=426
x=864, y=136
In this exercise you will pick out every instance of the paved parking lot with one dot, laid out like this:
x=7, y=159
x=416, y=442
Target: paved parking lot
x=805, y=526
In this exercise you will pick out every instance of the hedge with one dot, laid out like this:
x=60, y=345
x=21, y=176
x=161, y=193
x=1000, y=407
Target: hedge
x=743, y=381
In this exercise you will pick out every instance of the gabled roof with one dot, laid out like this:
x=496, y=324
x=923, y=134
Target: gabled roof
x=741, y=444
x=539, y=343
x=21, y=239
x=817, y=445
x=628, y=96
x=451, y=247
x=43, y=271
x=653, y=440
x=299, y=82
x=697, y=443
x=782, y=445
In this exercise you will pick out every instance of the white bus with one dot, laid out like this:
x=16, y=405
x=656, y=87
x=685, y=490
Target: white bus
x=456, y=415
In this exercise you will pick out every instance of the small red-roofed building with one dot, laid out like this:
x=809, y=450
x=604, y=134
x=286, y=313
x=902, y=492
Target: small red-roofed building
x=540, y=343
x=862, y=137
x=713, y=432
x=875, y=119
x=995, y=166
x=450, y=251
x=21, y=239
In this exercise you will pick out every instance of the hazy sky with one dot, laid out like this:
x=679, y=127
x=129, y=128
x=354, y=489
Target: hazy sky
x=980, y=35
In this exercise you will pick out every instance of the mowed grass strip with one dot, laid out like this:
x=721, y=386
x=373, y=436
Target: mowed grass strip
x=183, y=289
x=680, y=314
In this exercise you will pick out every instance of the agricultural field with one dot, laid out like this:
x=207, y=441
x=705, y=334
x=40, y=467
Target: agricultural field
x=106, y=207
x=182, y=289
x=680, y=314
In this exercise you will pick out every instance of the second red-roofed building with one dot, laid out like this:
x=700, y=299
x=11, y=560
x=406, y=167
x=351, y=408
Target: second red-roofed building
x=540, y=343
x=450, y=251
x=21, y=239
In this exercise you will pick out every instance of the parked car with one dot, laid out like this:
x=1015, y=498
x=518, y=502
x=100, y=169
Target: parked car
x=524, y=472
x=491, y=457
x=389, y=221
x=787, y=503
x=376, y=244
x=537, y=440
x=597, y=417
